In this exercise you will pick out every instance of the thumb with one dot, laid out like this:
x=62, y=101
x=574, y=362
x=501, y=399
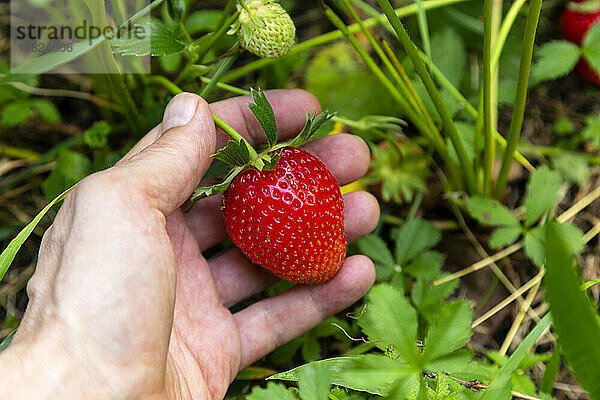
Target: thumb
x=167, y=171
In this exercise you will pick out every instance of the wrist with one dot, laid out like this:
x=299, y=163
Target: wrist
x=41, y=367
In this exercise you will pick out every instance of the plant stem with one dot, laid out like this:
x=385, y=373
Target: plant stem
x=224, y=86
x=334, y=35
x=413, y=93
x=245, y=7
x=449, y=126
x=223, y=68
x=436, y=140
x=393, y=69
x=202, y=49
x=445, y=83
x=164, y=82
x=520, y=96
x=489, y=148
x=423, y=27
x=509, y=20
x=234, y=135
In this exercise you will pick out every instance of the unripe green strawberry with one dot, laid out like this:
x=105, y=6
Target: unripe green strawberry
x=265, y=29
x=289, y=220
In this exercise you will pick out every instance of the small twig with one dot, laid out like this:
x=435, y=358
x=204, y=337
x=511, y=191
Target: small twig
x=351, y=315
x=564, y=217
x=510, y=298
x=362, y=339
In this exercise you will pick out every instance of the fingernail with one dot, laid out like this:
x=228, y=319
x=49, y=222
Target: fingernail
x=179, y=111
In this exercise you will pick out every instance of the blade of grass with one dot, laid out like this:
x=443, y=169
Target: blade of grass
x=413, y=92
x=395, y=70
x=446, y=84
x=415, y=118
x=516, y=122
x=8, y=255
x=501, y=381
x=448, y=123
x=575, y=318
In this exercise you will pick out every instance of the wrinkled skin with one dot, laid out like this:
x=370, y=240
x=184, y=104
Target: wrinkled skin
x=124, y=305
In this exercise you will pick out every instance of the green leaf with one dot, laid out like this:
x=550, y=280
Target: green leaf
x=572, y=167
x=534, y=245
x=542, y=193
x=176, y=9
x=449, y=330
x=591, y=46
x=235, y=153
x=563, y=127
x=490, y=212
x=96, y=136
x=499, y=387
x=376, y=249
x=151, y=38
x=551, y=373
x=591, y=131
x=414, y=237
x=370, y=373
x=444, y=42
x=14, y=113
x=575, y=319
x=70, y=168
x=426, y=265
x=263, y=112
x=428, y=298
x=391, y=318
x=203, y=192
x=273, y=391
x=503, y=237
x=285, y=353
x=535, y=241
x=8, y=255
x=47, y=110
x=311, y=349
x=313, y=123
x=7, y=340
x=460, y=364
x=555, y=59
x=314, y=383
x=202, y=21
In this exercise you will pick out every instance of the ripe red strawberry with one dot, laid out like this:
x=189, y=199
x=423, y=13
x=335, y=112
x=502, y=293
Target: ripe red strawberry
x=577, y=20
x=289, y=220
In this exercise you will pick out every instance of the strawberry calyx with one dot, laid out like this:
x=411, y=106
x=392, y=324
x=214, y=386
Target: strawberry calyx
x=239, y=154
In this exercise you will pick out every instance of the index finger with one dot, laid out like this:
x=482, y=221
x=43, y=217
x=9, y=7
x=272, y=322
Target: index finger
x=289, y=105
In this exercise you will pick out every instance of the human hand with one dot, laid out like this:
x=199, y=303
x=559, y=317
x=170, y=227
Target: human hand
x=124, y=305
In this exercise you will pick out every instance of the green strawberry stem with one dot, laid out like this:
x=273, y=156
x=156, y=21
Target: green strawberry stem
x=234, y=135
x=245, y=7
